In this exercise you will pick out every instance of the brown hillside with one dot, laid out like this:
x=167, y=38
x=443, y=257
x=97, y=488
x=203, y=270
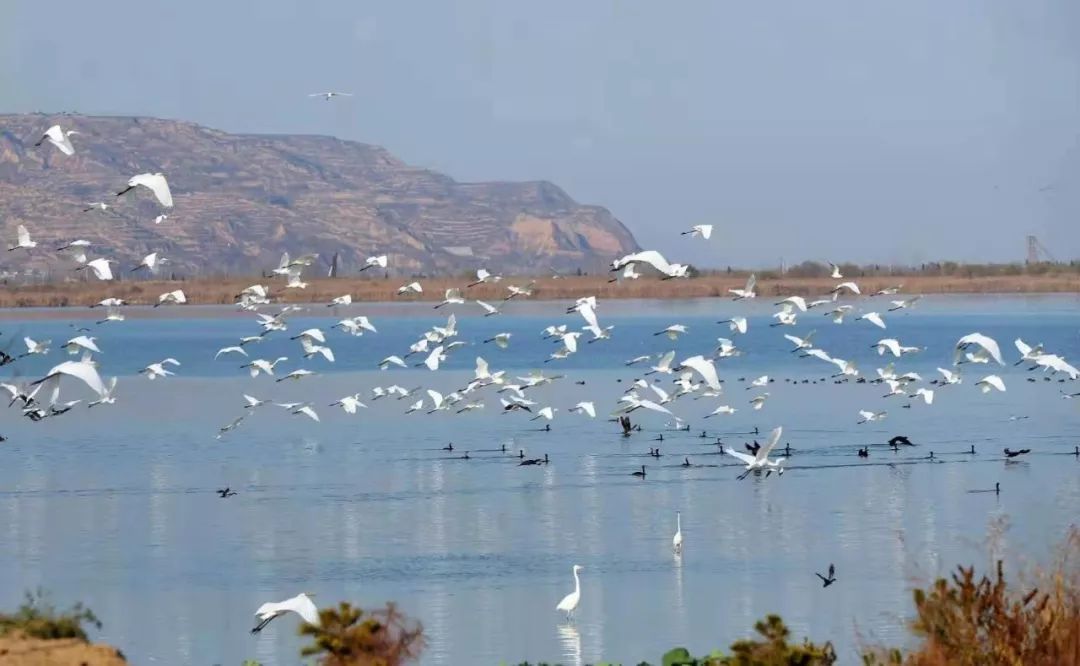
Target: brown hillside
x=242, y=200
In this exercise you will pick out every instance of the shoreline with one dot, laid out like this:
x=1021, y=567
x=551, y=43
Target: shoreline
x=223, y=291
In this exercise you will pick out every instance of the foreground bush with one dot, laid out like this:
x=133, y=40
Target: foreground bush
x=349, y=636
x=36, y=618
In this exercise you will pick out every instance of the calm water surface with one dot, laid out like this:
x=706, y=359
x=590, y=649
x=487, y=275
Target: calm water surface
x=115, y=506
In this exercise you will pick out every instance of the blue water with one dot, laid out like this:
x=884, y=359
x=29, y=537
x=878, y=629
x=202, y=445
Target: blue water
x=115, y=506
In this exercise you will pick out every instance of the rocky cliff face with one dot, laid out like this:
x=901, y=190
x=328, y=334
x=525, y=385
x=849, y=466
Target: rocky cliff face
x=242, y=200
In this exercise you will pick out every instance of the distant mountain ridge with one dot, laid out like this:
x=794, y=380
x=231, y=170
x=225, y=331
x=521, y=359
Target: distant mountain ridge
x=243, y=199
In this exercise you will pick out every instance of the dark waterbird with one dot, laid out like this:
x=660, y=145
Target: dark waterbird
x=225, y=492
x=831, y=579
x=686, y=462
x=448, y=447
x=1013, y=454
x=900, y=440
x=627, y=427
x=753, y=448
x=864, y=452
x=640, y=474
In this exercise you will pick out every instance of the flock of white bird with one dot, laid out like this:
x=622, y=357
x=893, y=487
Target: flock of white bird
x=696, y=375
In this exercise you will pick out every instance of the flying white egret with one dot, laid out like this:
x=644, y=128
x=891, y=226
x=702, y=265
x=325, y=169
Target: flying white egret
x=176, y=297
x=99, y=267
x=489, y=310
x=785, y=317
x=760, y=382
x=96, y=205
x=1056, y=364
x=79, y=342
x=34, y=347
x=872, y=317
x=818, y=354
x=652, y=258
x=545, y=413
x=433, y=359
x=155, y=370
x=262, y=365
x=59, y=138
x=150, y=262
x=990, y=382
x=379, y=261
x=797, y=301
x=641, y=359
x=926, y=394
x=988, y=346
x=850, y=286
x=839, y=313
x=735, y=324
x=672, y=332
x=411, y=288
x=501, y=340
x=301, y=604
x=23, y=242
x=758, y=401
x=1027, y=352
x=340, y=300
x=349, y=403
x=584, y=408
x=950, y=377
x=702, y=230
x=295, y=375
x=516, y=291
x=628, y=273
x=634, y=402
x=391, y=360
x=801, y=343
x=835, y=274
x=155, y=182
x=482, y=276
x=705, y=368
x=160, y=218
x=293, y=278
x=329, y=95
x=310, y=349
x=676, y=541
x=570, y=602
x=747, y=291
x=870, y=417
x=721, y=410
x=726, y=348
x=106, y=398
x=230, y=350
x=894, y=347
x=664, y=365
x=452, y=297
x=847, y=368
x=904, y=303
x=760, y=460
x=81, y=370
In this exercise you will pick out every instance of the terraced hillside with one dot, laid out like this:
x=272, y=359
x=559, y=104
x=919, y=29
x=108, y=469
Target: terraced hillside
x=242, y=200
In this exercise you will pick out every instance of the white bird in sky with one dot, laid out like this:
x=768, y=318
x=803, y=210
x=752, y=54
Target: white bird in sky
x=34, y=347
x=872, y=317
x=797, y=301
x=990, y=382
x=23, y=242
x=501, y=340
x=760, y=382
x=340, y=300
x=545, y=413
x=379, y=261
x=628, y=273
x=758, y=401
x=411, y=288
x=106, y=398
x=987, y=347
x=516, y=291
x=926, y=394
x=101, y=268
x=785, y=317
x=870, y=417
x=81, y=342
x=392, y=360
x=230, y=350
x=705, y=368
x=663, y=366
x=452, y=297
x=700, y=230
x=262, y=365
x=433, y=359
x=584, y=408
x=296, y=375
x=482, y=276
x=735, y=324
x=850, y=286
x=801, y=343
x=175, y=297
x=155, y=370
x=415, y=407
x=747, y=291
x=726, y=348
x=330, y=94
x=81, y=370
x=301, y=604
x=489, y=310
x=894, y=347
x=760, y=460
x=673, y=332
x=155, y=182
x=839, y=313
x=1027, y=352
x=150, y=262
x=905, y=303
x=949, y=376
x=570, y=602
x=652, y=258
x=349, y=403
x=835, y=274
x=59, y=138
x=721, y=410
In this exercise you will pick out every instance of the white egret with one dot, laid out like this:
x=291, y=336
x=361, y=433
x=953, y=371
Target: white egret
x=700, y=230
x=329, y=95
x=990, y=382
x=301, y=604
x=870, y=417
x=295, y=375
x=349, y=403
x=988, y=347
x=835, y=274
x=411, y=288
x=262, y=365
x=904, y=303
x=391, y=360
x=379, y=261
x=570, y=602
x=839, y=313
x=584, y=408
x=850, y=286
x=80, y=342
x=501, y=340
x=340, y=300
x=705, y=368
x=760, y=460
x=81, y=370
x=150, y=262
x=96, y=205
x=34, y=347
x=721, y=410
x=106, y=398
x=160, y=218
x=452, y=297
x=785, y=317
x=760, y=382
x=735, y=324
x=482, y=276
x=155, y=182
x=872, y=317
x=747, y=291
x=676, y=541
x=155, y=370
x=59, y=138
x=894, y=347
x=516, y=291
x=489, y=310
x=433, y=359
x=664, y=365
x=797, y=301
x=673, y=332
x=758, y=401
x=652, y=258
x=949, y=376
x=23, y=241
x=926, y=394
x=230, y=350
x=176, y=297
x=801, y=343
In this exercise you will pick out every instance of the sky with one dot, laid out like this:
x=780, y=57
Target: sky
x=888, y=131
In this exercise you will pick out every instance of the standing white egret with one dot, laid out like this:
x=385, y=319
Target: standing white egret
x=570, y=602
x=23, y=240
x=59, y=138
x=301, y=604
x=676, y=541
x=155, y=182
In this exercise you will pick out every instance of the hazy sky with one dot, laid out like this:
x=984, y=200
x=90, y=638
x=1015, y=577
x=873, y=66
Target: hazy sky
x=873, y=130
